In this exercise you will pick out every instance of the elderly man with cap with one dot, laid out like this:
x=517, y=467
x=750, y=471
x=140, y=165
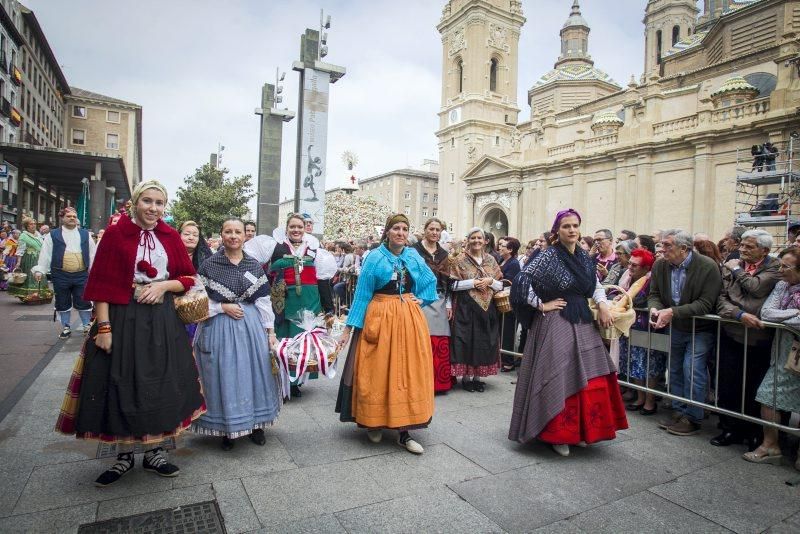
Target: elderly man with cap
x=67, y=254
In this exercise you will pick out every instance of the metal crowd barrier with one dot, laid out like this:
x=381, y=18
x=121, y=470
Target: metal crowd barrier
x=341, y=305
x=656, y=341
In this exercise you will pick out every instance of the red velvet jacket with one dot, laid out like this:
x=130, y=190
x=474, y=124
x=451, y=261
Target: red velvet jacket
x=111, y=275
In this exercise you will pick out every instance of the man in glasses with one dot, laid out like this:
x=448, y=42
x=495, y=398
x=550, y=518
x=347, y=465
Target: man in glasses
x=603, y=252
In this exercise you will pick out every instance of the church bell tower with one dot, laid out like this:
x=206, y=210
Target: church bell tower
x=480, y=41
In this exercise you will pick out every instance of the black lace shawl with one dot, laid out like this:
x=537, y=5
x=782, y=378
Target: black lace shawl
x=556, y=273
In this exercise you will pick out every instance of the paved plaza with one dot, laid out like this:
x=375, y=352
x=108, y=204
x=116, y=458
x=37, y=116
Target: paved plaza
x=318, y=475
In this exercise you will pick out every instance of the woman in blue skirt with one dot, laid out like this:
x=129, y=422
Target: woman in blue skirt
x=231, y=347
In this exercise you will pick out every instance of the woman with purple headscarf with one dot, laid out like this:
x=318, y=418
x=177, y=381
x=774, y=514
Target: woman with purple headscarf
x=567, y=392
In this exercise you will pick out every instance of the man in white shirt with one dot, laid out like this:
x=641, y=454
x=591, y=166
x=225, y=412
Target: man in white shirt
x=67, y=254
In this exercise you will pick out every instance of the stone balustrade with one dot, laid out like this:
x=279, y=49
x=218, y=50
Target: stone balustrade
x=745, y=110
x=675, y=125
x=560, y=150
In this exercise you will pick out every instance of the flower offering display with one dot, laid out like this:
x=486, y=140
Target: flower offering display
x=312, y=350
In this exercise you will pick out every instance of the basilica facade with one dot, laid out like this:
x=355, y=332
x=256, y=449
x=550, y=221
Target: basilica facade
x=660, y=151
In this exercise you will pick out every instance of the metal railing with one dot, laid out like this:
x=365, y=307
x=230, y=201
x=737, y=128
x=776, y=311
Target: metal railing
x=657, y=341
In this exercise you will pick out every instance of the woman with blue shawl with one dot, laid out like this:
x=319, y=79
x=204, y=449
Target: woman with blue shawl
x=242, y=394
x=567, y=392
x=387, y=382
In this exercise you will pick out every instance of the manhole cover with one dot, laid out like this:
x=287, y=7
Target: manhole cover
x=202, y=517
x=109, y=450
x=34, y=318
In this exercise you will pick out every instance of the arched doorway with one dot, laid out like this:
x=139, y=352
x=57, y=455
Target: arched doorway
x=496, y=222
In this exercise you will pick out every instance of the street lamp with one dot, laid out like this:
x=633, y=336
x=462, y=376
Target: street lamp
x=279, y=76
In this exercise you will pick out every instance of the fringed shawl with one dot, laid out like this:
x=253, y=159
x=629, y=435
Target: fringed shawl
x=466, y=268
x=226, y=282
x=555, y=273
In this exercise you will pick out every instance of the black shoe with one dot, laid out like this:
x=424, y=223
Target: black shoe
x=65, y=333
x=115, y=472
x=296, y=391
x=468, y=385
x=505, y=369
x=634, y=407
x=258, y=437
x=156, y=461
x=726, y=438
x=478, y=385
x=645, y=411
x=227, y=443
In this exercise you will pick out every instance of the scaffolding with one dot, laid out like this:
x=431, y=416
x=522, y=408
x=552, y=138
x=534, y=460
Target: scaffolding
x=768, y=189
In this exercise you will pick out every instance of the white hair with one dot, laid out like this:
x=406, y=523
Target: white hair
x=762, y=237
x=680, y=237
x=476, y=229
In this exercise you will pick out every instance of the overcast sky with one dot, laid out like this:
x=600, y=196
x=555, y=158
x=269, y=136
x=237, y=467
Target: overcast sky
x=197, y=67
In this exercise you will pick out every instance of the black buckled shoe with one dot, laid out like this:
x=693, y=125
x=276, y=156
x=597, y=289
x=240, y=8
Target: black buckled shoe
x=726, y=438
x=258, y=437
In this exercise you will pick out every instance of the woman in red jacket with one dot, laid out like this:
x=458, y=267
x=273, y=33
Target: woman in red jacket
x=135, y=380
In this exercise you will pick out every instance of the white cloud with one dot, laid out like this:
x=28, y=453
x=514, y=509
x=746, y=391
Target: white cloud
x=197, y=68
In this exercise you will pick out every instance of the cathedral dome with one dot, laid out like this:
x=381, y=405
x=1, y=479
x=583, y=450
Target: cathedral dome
x=607, y=117
x=575, y=18
x=736, y=84
x=573, y=72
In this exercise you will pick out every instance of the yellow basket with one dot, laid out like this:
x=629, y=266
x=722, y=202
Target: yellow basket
x=193, y=310
x=502, y=299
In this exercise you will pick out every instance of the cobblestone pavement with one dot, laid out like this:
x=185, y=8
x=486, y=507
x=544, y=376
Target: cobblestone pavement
x=318, y=475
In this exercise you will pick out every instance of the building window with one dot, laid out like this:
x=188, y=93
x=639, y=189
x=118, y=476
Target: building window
x=79, y=112
x=435, y=212
x=78, y=137
x=407, y=195
x=112, y=141
x=452, y=142
x=424, y=197
x=676, y=34
x=496, y=140
x=493, y=74
x=424, y=212
x=658, y=47
x=460, y=74
x=452, y=177
x=407, y=210
x=112, y=116
x=436, y=196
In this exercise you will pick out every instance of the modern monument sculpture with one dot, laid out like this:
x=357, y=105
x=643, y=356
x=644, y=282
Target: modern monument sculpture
x=312, y=133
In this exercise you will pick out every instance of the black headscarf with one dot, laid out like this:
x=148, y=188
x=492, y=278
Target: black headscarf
x=201, y=252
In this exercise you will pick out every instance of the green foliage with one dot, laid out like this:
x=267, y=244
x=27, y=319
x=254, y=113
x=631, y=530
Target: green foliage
x=351, y=217
x=209, y=197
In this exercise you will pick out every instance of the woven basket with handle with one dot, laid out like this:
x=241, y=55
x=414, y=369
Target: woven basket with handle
x=621, y=310
x=502, y=299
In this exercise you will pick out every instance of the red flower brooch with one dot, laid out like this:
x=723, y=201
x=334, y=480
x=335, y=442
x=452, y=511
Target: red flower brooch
x=145, y=267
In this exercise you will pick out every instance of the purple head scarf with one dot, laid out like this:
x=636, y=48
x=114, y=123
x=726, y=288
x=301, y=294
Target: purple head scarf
x=560, y=215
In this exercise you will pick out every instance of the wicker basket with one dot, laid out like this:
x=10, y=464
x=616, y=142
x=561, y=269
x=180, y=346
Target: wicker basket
x=620, y=309
x=192, y=308
x=3, y=274
x=313, y=365
x=502, y=299
x=42, y=296
x=18, y=277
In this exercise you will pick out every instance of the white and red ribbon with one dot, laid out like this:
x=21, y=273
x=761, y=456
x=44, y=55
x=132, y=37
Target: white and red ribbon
x=311, y=345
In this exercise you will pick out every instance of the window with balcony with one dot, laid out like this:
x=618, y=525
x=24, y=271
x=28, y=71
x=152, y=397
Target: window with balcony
x=78, y=137
x=112, y=141
x=79, y=112
x=112, y=116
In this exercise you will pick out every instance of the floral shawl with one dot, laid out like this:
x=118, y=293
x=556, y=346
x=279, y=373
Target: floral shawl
x=466, y=268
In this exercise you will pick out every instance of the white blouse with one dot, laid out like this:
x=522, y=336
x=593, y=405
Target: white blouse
x=157, y=257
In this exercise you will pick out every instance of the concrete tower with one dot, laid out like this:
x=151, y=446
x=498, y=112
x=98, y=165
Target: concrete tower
x=665, y=23
x=479, y=110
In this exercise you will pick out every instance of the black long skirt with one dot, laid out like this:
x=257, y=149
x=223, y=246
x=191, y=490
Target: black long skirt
x=148, y=386
x=475, y=338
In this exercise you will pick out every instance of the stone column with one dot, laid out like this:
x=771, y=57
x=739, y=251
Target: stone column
x=514, y=221
x=97, y=191
x=643, y=199
x=578, y=188
x=704, y=201
x=269, y=161
x=110, y=200
x=540, y=222
x=622, y=202
x=469, y=206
